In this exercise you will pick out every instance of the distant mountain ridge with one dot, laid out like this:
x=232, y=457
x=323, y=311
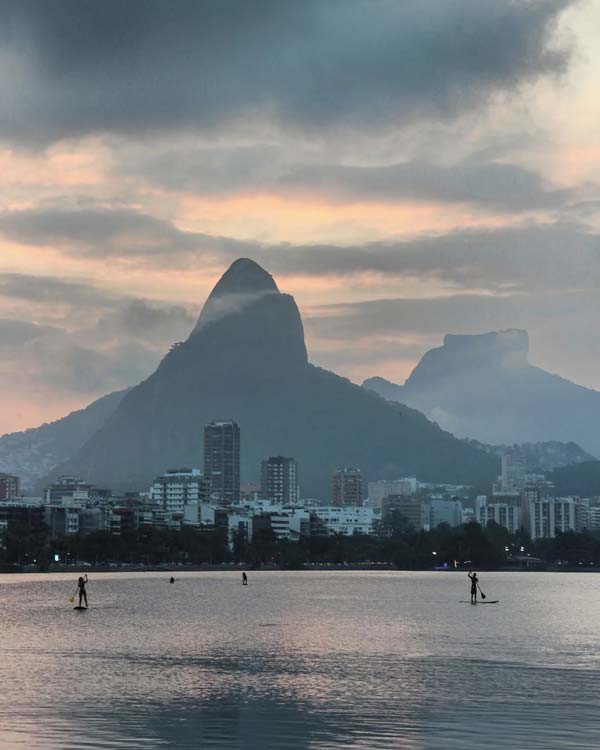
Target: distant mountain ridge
x=246, y=359
x=484, y=387
x=33, y=453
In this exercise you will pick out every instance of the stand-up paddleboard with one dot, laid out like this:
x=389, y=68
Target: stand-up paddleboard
x=80, y=608
x=494, y=601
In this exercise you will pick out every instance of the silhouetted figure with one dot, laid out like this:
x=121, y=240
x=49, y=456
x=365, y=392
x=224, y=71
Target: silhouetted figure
x=244, y=579
x=171, y=580
x=81, y=589
x=474, y=581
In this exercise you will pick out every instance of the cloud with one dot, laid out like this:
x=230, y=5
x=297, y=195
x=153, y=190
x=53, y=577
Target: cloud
x=96, y=231
x=117, y=232
x=16, y=333
x=530, y=256
x=49, y=356
x=74, y=68
x=41, y=289
x=214, y=169
x=506, y=187
x=100, y=342
x=273, y=169
x=112, y=312
x=468, y=313
x=557, y=255
x=143, y=321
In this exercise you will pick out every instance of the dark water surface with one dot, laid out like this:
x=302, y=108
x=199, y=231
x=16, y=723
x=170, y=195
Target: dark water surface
x=301, y=660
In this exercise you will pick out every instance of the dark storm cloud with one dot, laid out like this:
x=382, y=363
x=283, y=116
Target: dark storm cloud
x=75, y=67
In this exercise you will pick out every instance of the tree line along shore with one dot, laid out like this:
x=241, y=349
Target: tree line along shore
x=395, y=545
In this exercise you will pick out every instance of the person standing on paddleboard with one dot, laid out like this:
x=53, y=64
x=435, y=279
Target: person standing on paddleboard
x=81, y=589
x=474, y=582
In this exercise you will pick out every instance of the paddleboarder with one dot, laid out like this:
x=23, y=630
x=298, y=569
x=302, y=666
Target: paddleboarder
x=244, y=579
x=474, y=583
x=81, y=589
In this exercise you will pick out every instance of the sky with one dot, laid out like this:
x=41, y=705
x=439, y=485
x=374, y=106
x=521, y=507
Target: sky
x=404, y=168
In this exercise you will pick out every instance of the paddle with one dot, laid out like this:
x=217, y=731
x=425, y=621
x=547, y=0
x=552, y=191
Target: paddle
x=481, y=592
x=72, y=599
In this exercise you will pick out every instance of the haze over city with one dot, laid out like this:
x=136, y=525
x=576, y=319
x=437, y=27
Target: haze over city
x=424, y=169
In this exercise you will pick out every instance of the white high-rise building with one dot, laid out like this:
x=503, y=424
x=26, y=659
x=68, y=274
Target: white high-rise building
x=178, y=488
x=549, y=516
x=507, y=514
x=594, y=517
x=347, y=519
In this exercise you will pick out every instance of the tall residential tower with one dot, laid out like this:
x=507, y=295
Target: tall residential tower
x=279, y=479
x=347, y=487
x=222, y=460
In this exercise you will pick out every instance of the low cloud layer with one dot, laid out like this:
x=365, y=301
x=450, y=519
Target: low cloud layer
x=103, y=341
x=245, y=170
x=553, y=256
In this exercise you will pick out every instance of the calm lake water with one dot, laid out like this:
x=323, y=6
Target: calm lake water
x=301, y=660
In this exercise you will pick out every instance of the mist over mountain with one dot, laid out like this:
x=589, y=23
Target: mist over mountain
x=33, y=453
x=484, y=387
x=246, y=359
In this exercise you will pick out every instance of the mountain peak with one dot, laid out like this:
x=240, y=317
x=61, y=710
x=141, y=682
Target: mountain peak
x=484, y=387
x=510, y=341
x=244, y=276
x=242, y=284
x=472, y=354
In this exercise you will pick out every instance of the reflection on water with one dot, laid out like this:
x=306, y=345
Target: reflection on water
x=300, y=660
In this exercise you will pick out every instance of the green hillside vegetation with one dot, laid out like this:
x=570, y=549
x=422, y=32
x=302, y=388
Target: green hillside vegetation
x=581, y=479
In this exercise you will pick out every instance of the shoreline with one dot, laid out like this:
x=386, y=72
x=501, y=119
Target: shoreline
x=233, y=567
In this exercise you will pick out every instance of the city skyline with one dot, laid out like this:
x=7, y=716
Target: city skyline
x=428, y=204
